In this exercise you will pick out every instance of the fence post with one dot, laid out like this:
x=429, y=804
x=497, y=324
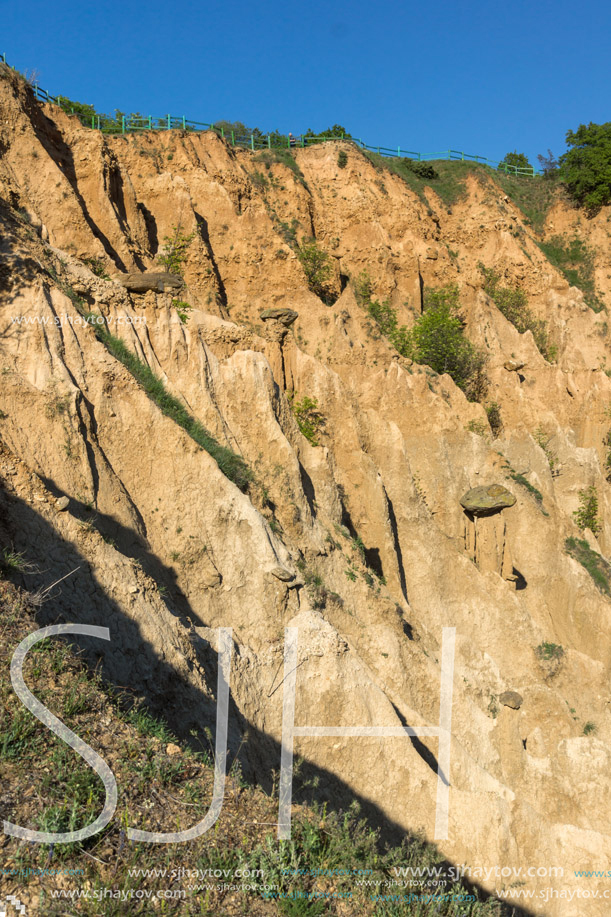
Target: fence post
x=184, y=123
x=419, y=156
x=398, y=151
x=150, y=122
x=222, y=132
x=232, y=138
x=252, y=141
x=122, y=124
x=269, y=142
x=168, y=122
x=462, y=155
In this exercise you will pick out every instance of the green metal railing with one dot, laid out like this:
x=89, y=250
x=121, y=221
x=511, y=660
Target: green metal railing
x=128, y=124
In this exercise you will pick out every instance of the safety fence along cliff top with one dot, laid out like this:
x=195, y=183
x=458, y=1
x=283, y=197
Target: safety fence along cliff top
x=128, y=124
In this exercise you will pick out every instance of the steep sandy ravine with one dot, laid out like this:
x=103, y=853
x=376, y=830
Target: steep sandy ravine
x=359, y=541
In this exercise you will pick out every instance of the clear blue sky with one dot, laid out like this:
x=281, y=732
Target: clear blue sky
x=484, y=77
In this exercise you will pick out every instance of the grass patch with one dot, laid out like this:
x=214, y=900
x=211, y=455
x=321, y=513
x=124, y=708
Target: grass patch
x=533, y=491
x=233, y=466
x=534, y=196
x=513, y=304
x=285, y=158
x=525, y=483
x=47, y=786
x=447, y=179
x=598, y=568
x=575, y=260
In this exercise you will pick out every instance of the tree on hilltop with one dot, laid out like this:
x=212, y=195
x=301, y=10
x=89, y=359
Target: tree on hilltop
x=585, y=168
x=516, y=161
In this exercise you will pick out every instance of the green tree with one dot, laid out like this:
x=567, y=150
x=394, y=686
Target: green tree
x=549, y=165
x=585, y=168
x=586, y=516
x=317, y=267
x=330, y=133
x=174, y=251
x=516, y=161
x=437, y=339
x=514, y=306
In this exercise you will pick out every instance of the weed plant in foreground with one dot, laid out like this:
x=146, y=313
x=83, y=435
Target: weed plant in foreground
x=166, y=785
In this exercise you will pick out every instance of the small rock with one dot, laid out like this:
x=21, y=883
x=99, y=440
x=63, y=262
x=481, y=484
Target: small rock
x=511, y=699
x=283, y=574
x=134, y=589
x=512, y=366
x=172, y=750
x=432, y=254
x=483, y=501
x=286, y=317
x=62, y=504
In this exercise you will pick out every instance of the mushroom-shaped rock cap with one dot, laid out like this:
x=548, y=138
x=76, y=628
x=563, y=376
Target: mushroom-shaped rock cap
x=142, y=283
x=483, y=501
x=284, y=316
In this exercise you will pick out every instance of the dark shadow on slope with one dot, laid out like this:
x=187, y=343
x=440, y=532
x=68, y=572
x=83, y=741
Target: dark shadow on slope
x=16, y=269
x=202, y=225
x=129, y=662
x=420, y=748
x=151, y=228
x=521, y=582
x=308, y=489
x=397, y=544
x=134, y=546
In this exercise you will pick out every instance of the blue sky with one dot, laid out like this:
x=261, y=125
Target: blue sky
x=482, y=77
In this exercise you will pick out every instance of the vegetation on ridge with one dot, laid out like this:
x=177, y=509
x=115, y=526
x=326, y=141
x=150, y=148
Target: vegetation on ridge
x=514, y=306
x=233, y=466
x=596, y=565
x=585, y=168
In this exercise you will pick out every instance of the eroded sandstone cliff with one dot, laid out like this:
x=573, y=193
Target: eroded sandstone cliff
x=359, y=541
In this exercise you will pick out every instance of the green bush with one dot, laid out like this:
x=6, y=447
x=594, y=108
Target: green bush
x=514, y=306
x=337, y=131
x=182, y=308
x=174, y=252
x=543, y=440
x=549, y=651
x=586, y=516
x=342, y=159
x=607, y=444
x=585, y=168
x=422, y=169
x=382, y=313
x=437, y=339
x=493, y=413
x=97, y=267
x=316, y=264
x=309, y=419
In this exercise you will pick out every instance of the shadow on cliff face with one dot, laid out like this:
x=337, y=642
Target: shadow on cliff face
x=16, y=270
x=130, y=664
